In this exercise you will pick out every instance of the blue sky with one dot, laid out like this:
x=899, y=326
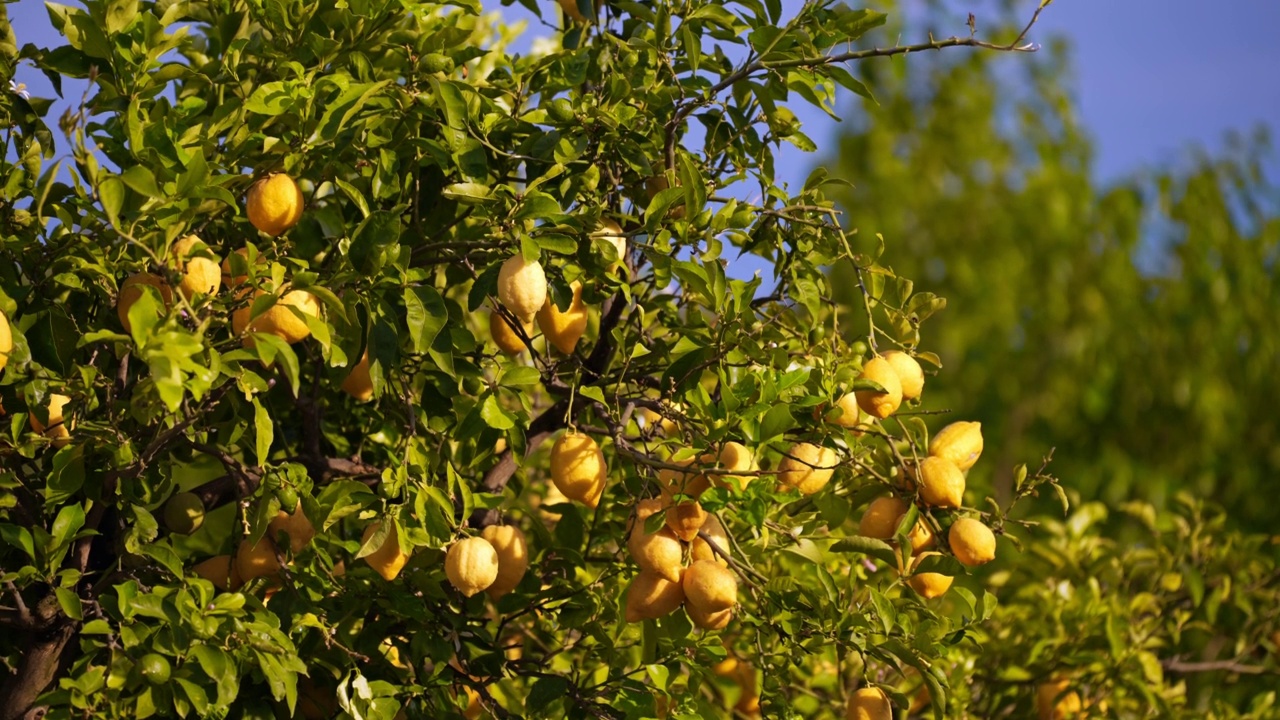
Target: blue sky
x=1153, y=77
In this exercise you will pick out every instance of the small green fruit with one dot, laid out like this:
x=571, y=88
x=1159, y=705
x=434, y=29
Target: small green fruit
x=184, y=513
x=154, y=668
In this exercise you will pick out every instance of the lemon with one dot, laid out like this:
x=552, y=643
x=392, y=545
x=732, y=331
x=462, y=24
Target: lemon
x=959, y=442
x=868, y=703
x=1054, y=701
x=651, y=596
x=131, y=291
x=200, y=272
x=910, y=375
x=735, y=456
x=807, y=467
x=388, y=560
x=522, y=287
x=219, y=570
x=235, y=268
x=920, y=536
x=184, y=513
x=880, y=404
x=709, y=620
x=154, y=668
x=850, y=413
x=256, y=560
x=929, y=585
x=701, y=549
x=505, y=336
x=972, y=542
x=59, y=428
x=471, y=565
x=564, y=329
x=941, y=482
x=880, y=519
x=6, y=340
x=578, y=468
x=274, y=204
x=686, y=517
x=513, y=557
x=710, y=587
x=611, y=232
x=657, y=552
x=358, y=383
x=295, y=525
x=279, y=319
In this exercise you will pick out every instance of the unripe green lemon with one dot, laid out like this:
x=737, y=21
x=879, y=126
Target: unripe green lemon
x=184, y=513
x=154, y=668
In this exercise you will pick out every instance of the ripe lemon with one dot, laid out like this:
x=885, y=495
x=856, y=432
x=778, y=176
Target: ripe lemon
x=686, y=517
x=735, y=456
x=388, y=560
x=274, y=204
x=184, y=513
x=941, y=482
x=513, y=557
x=929, y=585
x=578, y=468
x=972, y=542
x=359, y=384
x=59, y=428
x=701, y=550
x=959, y=442
x=132, y=290
x=279, y=319
x=564, y=329
x=473, y=709
x=235, y=268
x=920, y=536
x=651, y=596
x=522, y=287
x=256, y=560
x=1055, y=702
x=658, y=552
x=295, y=525
x=868, y=703
x=880, y=404
x=505, y=336
x=200, y=272
x=710, y=587
x=708, y=620
x=6, y=340
x=880, y=519
x=611, y=232
x=219, y=570
x=850, y=413
x=910, y=375
x=154, y=668
x=807, y=467
x=471, y=565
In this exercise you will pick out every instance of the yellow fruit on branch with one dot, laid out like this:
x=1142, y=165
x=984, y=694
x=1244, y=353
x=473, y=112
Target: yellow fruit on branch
x=710, y=587
x=281, y=319
x=910, y=375
x=578, y=468
x=737, y=457
x=685, y=517
x=972, y=542
x=564, y=329
x=657, y=552
x=928, y=584
x=235, y=268
x=59, y=427
x=513, y=557
x=807, y=467
x=701, y=549
x=880, y=404
x=257, y=559
x=611, y=232
x=708, y=620
x=651, y=596
x=880, y=519
x=219, y=570
x=850, y=413
x=199, y=267
x=505, y=336
x=359, y=384
x=522, y=287
x=471, y=565
x=1055, y=701
x=6, y=340
x=941, y=483
x=295, y=525
x=274, y=204
x=920, y=536
x=131, y=291
x=959, y=442
x=868, y=703
x=388, y=560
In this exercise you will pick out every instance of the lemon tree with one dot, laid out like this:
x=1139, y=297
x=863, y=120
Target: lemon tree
x=460, y=407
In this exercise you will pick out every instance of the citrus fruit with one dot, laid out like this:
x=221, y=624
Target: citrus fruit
x=710, y=587
x=274, y=204
x=880, y=519
x=154, y=668
x=6, y=340
x=522, y=287
x=184, y=513
x=868, y=703
x=972, y=542
x=59, y=428
x=941, y=482
x=807, y=467
x=910, y=376
x=735, y=456
x=701, y=549
x=471, y=565
x=219, y=570
x=200, y=272
x=388, y=560
x=359, y=384
x=578, y=468
x=880, y=404
x=131, y=291
x=256, y=560
x=651, y=596
x=295, y=525
x=513, y=557
x=504, y=336
x=280, y=319
x=657, y=552
x=564, y=329
x=959, y=442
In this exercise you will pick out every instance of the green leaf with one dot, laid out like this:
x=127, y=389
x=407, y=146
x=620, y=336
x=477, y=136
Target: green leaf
x=877, y=549
x=69, y=602
x=264, y=432
x=426, y=314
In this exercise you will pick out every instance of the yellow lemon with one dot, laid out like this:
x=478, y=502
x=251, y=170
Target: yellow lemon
x=200, y=272
x=920, y=536
x=471, y=565
x=388, y=560
x=868, y=703
x=295, y=525
x=522, y=287
x=658, y=552
x=807, y=467
x=131, y=291
x=274, y=204
x=257, y=560
x=564, y=329
x=513, y=557
x=880, y=404
x=880, y=519
x=505, y=336
x=359, y=384
x=701, y=549
x=219, y=570
x=850, y=413
x=910, y=375
x=1054, y=701
x=279, y=319
x=708, y=619
x=6, y=340
x=959, y=442
x=972, y=542
x=578, y=468
x=611, y=232
x=710, y=587
x=929, y=585
x=941, y=482
x=59, y=428
x=233, y=265
x=735, y=456
x=651, y=596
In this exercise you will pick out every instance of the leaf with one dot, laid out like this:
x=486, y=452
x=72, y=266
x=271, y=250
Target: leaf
x=425, y=314
x=69, y=602
x=877, y=549
x=265, y=432
x=546, y=690
x=371, y=240
x=495, y=415
x=776, y=421
x=140, y=179
x=69, y=521
x=467, y=193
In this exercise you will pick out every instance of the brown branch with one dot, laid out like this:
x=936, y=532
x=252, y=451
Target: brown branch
x=1178, y=666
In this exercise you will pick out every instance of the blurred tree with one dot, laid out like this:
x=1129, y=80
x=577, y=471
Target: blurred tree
x=1132, y=325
